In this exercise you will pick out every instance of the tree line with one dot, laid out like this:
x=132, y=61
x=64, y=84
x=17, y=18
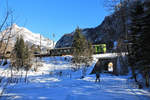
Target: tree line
x=135, y=19
x=138, y=37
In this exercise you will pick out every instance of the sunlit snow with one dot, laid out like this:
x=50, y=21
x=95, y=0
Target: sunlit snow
x=47, y=84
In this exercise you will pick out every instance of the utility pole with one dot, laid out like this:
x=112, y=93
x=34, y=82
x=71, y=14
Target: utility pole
x=40, y=43
x=53, y=39
x=54, y=48
x=40, y=48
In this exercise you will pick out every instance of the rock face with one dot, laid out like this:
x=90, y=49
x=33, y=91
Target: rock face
x=65, y=41
x=109, y=30
x=112, y=30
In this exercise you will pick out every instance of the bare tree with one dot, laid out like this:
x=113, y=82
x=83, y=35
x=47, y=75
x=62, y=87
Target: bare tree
x=120, y=9
x=6, y=34
x=6, y=24
x=111, y=5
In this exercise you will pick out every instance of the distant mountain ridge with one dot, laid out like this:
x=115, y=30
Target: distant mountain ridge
x=110, y=30
x=29, y=37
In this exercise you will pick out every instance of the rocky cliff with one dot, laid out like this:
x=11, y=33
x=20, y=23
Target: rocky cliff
x=109, y=30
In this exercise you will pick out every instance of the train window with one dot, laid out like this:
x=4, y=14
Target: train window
x=98, y=49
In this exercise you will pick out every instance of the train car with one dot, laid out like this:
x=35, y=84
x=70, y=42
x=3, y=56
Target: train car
x=61, y=51
x=99, y=48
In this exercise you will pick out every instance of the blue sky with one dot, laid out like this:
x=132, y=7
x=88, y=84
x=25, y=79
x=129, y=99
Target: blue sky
x=57, y=16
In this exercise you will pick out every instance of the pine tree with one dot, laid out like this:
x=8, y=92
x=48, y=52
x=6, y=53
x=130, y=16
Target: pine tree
x=82, y=53
x=145, y=36
x=82, y=48
x=21, y=57
x=139, y=37
x=144, y=44
x=27, y=62
x=78, y=45
x=135, y=28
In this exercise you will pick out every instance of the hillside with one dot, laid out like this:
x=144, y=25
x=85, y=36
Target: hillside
x=109, y=30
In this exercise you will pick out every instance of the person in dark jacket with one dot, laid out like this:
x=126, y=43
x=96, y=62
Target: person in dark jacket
x=97, y=77
x=97, y=71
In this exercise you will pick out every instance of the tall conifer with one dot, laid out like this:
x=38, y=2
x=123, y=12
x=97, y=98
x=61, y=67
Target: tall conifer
x=82, y=53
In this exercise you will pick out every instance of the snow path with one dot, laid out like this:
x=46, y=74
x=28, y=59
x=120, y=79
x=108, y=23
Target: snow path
x=53, y=88
x=46, y=87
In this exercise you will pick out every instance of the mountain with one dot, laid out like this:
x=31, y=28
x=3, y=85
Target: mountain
x=108, y=31
x=29, y=37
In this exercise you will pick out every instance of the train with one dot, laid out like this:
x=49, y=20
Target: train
x=97, y=49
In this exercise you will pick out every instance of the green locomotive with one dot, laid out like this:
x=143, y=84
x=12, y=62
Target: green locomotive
x=99, y=48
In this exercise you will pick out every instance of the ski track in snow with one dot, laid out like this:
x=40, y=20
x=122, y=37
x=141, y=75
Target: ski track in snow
x=46, y=87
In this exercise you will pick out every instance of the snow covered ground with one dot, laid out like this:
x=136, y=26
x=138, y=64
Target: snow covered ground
x=48, y=84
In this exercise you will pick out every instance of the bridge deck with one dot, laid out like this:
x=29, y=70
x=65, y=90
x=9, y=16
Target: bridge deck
x=108, y=55
x=97, y=56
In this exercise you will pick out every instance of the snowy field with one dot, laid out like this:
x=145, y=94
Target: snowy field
x=48, y=84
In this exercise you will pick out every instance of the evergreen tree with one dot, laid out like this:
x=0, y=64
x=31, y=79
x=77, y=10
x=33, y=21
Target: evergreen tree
x=144, y=44
x=82, y=53
x=27, y=62
x=21, y=57
x=82, y=48
x=135, y=28
x=139, y=37
x=145, y=36
x=78, y=45
x=19, y=50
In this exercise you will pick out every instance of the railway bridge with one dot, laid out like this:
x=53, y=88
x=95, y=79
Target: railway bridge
x=110, y=62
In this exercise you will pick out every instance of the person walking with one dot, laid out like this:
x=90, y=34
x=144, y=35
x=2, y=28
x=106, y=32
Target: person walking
x=98, y=66
x=97, y=70
x=97, y=77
